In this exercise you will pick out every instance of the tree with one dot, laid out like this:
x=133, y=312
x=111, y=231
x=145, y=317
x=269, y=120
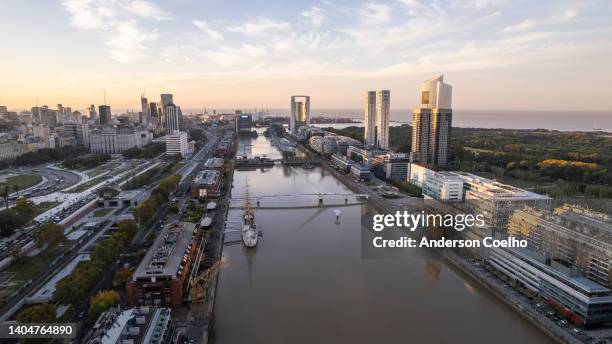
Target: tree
x=49, y=234
x=144, y=212
x=41, y=313
x=122, y=276
x=24, y=207
x=102, y=302
x=73, y=289
x=107, y=192
x=107, y=252
x=129, y=227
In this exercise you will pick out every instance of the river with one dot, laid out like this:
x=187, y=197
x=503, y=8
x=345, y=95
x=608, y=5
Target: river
x=307, y=283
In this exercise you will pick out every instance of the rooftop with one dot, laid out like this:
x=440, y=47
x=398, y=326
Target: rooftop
x=207, y=177
x=165, y=256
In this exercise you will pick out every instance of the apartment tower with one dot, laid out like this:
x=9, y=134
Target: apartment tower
x=369, y=133
x=431, y=123
x=300, y=112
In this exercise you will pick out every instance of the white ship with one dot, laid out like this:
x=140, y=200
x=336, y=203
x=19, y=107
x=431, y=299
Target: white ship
x=249, y=229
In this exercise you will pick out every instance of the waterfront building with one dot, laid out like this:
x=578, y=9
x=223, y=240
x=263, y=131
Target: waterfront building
x=142, y=325
x=369, y=123
x=331, y=144
x=176, y=143
x=570, y=235
x=114, y=140
x=361, y=172
x=383, y=99
x=391, y=166
x=206, y=184
x=214, y=163
x=418, y=174
x=431, y=123
x=105, y=114
x=300, y=112
x=497, y=201
x=243, y=123
x=342, y=163
x=443, y=186
x=583, y=301
x=159, y=278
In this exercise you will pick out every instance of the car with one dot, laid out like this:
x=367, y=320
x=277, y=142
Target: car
x=575, y=330
x=563, y=322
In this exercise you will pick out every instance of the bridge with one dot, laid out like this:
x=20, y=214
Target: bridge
x=320, y=197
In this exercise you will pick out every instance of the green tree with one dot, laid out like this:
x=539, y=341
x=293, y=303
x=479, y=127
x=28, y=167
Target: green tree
x=24, y=207
x=41, y=313
x=129, y=227
x=102, y=302
x=107, y=252
x=121, y=277
x=49, y=234
x=144, y=211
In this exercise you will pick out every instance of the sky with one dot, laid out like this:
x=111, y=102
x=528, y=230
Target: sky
x=507, y=55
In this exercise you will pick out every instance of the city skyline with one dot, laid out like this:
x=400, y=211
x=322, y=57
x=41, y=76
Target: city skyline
x=217, y=59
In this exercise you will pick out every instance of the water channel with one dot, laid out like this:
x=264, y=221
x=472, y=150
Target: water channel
x=307, y=283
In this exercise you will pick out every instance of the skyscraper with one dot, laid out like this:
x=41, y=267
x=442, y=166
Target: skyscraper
x=431, y=123
x=105, y=114
x=383, y=99
x=300, y=112
x=172, y=118
x=93, y=115
x=145, y=119
x=166, y=99
x=369, y=133
x=155, y=115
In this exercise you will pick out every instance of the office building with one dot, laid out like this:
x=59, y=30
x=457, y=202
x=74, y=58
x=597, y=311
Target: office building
x=300, y=112
x=243, y=123
x=583, y=301
x=361, y=172
x=431, y=123
x=142, y=325
x=166, y=99
x=383, y=99
x=172, y=122
x=497, y=201
x=341, y=163
x=569, y=235
x=443, y=186
x=105, y=114
x=92, y=113
x=159, y=278
x=155, y=114
x=369, y=123
x=115, y=140
x=176, y=143
x=145, y=117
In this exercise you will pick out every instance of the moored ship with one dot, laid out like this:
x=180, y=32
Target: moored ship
x=249, y=229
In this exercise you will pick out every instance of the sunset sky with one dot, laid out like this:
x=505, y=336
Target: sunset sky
x=517, y=55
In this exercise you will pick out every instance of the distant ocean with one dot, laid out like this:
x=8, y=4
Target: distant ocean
x=554, y=120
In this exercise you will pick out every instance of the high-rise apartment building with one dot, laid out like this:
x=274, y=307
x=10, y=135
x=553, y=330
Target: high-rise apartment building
x=105, y=114
x=166, y=99
x=383, y=99
x=155, y=115
x=300, y=112
x=431, y=123
x=369, y=123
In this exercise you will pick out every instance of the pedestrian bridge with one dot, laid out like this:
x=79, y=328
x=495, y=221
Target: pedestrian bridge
x=321, y=203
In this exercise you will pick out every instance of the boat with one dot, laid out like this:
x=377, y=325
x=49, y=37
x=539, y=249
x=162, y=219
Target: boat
x=249, y=229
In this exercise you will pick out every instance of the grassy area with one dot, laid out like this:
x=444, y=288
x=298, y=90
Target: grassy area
x=23, y=181
x=87, y=185
x=25, y=268
x=103, y=212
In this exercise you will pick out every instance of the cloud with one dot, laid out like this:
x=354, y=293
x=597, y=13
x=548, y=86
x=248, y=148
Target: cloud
x=522, y=26
x=375, y=12
x=119, y=24
x=316, y=16
x=205, y=28
x=261, y=25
